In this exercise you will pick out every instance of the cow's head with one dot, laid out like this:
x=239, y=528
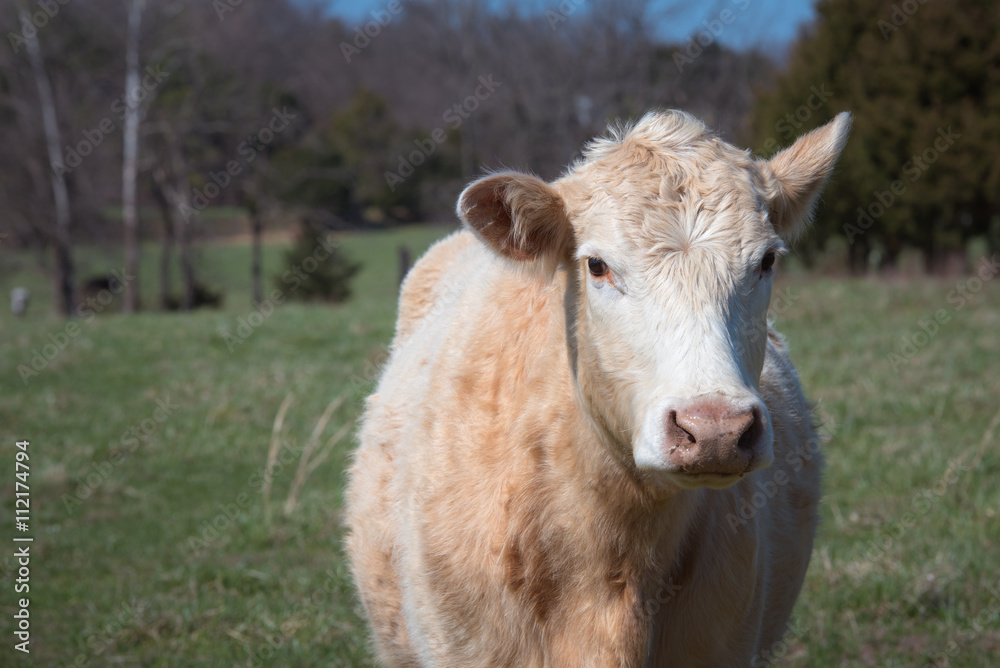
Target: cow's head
x=669, y=236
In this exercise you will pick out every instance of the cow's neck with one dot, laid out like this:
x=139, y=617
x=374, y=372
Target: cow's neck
x=630, y=521
x=633, y=533
x=629, y=546
x=609, y=483
x=581, y=521
x=529, y=382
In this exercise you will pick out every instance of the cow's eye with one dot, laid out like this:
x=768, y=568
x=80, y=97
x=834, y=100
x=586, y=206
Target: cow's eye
x=767, y=262
x=597, y=266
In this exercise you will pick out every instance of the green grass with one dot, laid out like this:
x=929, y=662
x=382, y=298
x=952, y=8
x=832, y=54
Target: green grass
x=116, y=578
x=127, y=568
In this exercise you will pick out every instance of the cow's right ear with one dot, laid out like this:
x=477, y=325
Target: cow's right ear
x=519, y=216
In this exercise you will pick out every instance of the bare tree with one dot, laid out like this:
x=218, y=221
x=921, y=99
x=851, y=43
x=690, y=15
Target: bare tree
x=557, y=75
x=159, y=186
x=63, y=277
x=130, y=157
x=169, y=177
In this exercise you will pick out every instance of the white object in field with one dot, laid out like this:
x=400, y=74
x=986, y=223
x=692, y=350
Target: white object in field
x=19, y=300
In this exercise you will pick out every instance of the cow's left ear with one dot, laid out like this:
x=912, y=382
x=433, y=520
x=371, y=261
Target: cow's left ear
x=519, y=216
x=798, y=173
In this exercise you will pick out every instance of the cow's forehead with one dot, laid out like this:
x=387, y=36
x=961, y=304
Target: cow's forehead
x=668, y=185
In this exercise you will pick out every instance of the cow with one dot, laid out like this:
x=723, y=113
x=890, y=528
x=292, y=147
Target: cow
x=588, y=447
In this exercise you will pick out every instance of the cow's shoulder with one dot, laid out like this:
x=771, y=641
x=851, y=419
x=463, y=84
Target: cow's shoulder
x=423, y=285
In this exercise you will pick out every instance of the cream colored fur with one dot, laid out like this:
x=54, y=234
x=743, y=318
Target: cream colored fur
x=496, y=513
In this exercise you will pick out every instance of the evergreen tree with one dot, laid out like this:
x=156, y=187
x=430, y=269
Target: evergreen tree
x=923, y=82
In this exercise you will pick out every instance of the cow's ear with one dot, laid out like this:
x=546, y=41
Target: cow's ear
x=519, y=216
x=797, y=174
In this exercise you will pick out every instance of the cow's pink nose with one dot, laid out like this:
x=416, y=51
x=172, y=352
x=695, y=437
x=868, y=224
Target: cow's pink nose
x=712, y=436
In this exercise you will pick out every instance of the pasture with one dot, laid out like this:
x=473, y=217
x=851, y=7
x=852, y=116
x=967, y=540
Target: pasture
x=156, y=545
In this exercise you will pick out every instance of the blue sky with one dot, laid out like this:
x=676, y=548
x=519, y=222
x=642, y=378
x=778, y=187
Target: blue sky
x=769, y=23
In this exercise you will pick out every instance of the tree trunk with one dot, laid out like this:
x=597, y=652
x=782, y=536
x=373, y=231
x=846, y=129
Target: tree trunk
x=63, y=278
x=890, y=259
x=165, y=259
x=404, y=263
x=130, y=216
x=929, y=244
x=256, y=232
x=857, y=258
x=172, y=183
x=160, y=193
x=180, y=203
x=187, y=268
x=256, y=260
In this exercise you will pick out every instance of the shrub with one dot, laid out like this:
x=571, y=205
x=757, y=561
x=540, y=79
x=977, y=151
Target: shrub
x=316, y=268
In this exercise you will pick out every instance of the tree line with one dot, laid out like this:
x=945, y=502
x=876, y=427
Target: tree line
x=132, y=121
x=922, y=78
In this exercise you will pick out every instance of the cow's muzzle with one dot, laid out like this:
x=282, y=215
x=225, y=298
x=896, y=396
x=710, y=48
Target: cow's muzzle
x=714, y=441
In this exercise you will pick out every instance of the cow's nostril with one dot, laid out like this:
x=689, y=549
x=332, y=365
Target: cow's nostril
x=676, y=434
x=751, y=432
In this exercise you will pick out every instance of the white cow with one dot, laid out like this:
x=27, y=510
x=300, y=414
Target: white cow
x=582, y=400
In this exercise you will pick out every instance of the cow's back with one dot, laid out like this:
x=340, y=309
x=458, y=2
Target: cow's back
x=435, y=280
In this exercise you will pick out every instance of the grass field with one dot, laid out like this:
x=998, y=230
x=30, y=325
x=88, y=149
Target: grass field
x=149, y=437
